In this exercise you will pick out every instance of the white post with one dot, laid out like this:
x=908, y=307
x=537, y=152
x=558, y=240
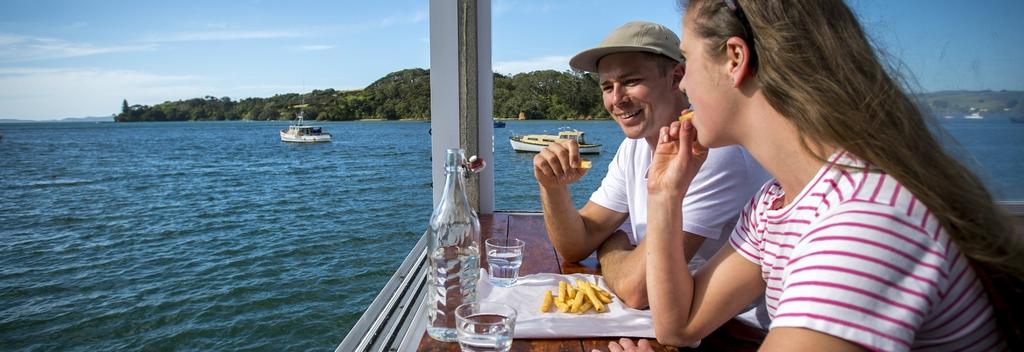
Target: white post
x=448, y=61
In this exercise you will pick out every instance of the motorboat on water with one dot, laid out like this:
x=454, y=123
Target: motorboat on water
x=537, y=142
x=300, y=133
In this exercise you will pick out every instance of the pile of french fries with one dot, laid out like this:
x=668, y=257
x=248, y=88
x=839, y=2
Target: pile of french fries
x=577, y=299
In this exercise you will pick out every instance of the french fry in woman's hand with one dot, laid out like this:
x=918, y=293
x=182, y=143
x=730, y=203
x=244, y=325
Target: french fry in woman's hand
x=686, y=116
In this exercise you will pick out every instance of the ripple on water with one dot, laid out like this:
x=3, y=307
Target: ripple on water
x=168, y=236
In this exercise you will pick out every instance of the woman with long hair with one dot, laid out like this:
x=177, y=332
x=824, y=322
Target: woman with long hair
x=870, y=236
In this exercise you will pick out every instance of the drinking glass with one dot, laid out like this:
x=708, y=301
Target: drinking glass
x=485, y=326
x=504, y=257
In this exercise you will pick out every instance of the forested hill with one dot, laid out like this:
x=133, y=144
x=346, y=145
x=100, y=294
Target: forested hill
x=403, y=94
x=547, y=94
x=984, y=102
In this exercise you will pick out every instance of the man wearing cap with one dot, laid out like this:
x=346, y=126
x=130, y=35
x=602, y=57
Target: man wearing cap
x=639, y=70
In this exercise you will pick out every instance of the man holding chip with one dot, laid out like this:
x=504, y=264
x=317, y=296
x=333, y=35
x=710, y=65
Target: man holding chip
x=639, y=69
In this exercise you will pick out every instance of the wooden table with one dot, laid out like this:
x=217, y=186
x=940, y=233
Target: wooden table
x=541, y=258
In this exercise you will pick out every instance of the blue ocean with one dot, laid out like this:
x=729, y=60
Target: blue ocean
x=217, y=236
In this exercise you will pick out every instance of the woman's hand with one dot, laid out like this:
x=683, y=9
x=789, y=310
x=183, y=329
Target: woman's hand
x=677, y=158
x=626, y=345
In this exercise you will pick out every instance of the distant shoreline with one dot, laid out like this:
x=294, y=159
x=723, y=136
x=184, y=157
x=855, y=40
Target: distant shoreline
x=102, y=119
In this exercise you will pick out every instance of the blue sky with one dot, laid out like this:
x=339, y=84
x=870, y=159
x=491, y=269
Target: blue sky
x=76, y=58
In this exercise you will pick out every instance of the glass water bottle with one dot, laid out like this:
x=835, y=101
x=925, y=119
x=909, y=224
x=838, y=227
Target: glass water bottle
x=453, y=249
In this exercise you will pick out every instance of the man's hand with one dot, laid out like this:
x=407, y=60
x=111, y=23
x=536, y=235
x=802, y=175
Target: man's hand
x=623, y=269
x=558, y=164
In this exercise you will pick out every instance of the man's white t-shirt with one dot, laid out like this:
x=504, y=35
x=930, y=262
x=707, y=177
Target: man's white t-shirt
x=724, y=184
x=714, y=200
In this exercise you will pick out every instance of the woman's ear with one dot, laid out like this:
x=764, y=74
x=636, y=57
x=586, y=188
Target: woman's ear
x=737, y=63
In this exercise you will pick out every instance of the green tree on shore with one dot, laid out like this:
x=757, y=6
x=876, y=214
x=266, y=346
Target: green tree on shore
x=405, y=94
x=402, y=94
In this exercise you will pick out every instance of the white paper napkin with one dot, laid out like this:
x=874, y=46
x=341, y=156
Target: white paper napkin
x=528, y=293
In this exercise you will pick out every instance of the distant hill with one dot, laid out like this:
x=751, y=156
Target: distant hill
x=405, y=94
x=402, y=94
x=67, y=119
x=88, y=119
x=958, y=103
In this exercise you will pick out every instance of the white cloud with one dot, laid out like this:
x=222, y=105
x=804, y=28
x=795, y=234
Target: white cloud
x=314, y=47
x=15, y=48
x=38, y=93
x=11, y=39
x=557, y=63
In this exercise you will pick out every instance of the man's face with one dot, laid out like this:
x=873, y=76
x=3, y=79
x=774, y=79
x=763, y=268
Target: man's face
x=637, y=94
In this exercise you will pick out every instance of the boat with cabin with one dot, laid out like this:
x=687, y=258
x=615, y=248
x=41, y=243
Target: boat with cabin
x=974, y=116
x=537, y=142
x=301, y=133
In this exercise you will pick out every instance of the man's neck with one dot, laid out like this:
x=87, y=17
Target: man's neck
x=679, y=104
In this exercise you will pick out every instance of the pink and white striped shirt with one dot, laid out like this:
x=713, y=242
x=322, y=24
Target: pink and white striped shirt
x=857, y=256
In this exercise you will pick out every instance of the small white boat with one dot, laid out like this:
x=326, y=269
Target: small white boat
x=974, y=116
x=299, y=133
x=537, y=142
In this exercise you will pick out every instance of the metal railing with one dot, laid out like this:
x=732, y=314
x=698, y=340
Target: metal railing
x=392, y=321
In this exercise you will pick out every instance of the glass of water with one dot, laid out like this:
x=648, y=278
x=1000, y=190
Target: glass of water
x=504, y=257
x=484, y=326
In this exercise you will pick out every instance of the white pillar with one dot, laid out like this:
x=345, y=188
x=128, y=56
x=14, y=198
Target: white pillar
x=447, y=61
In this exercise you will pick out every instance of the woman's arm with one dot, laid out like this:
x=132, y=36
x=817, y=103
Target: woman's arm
x=686, y=308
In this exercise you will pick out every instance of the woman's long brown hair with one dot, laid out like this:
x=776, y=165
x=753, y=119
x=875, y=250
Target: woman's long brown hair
x=818, y=69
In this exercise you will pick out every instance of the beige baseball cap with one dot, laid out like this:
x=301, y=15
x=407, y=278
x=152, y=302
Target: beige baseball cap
x=631, y=37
